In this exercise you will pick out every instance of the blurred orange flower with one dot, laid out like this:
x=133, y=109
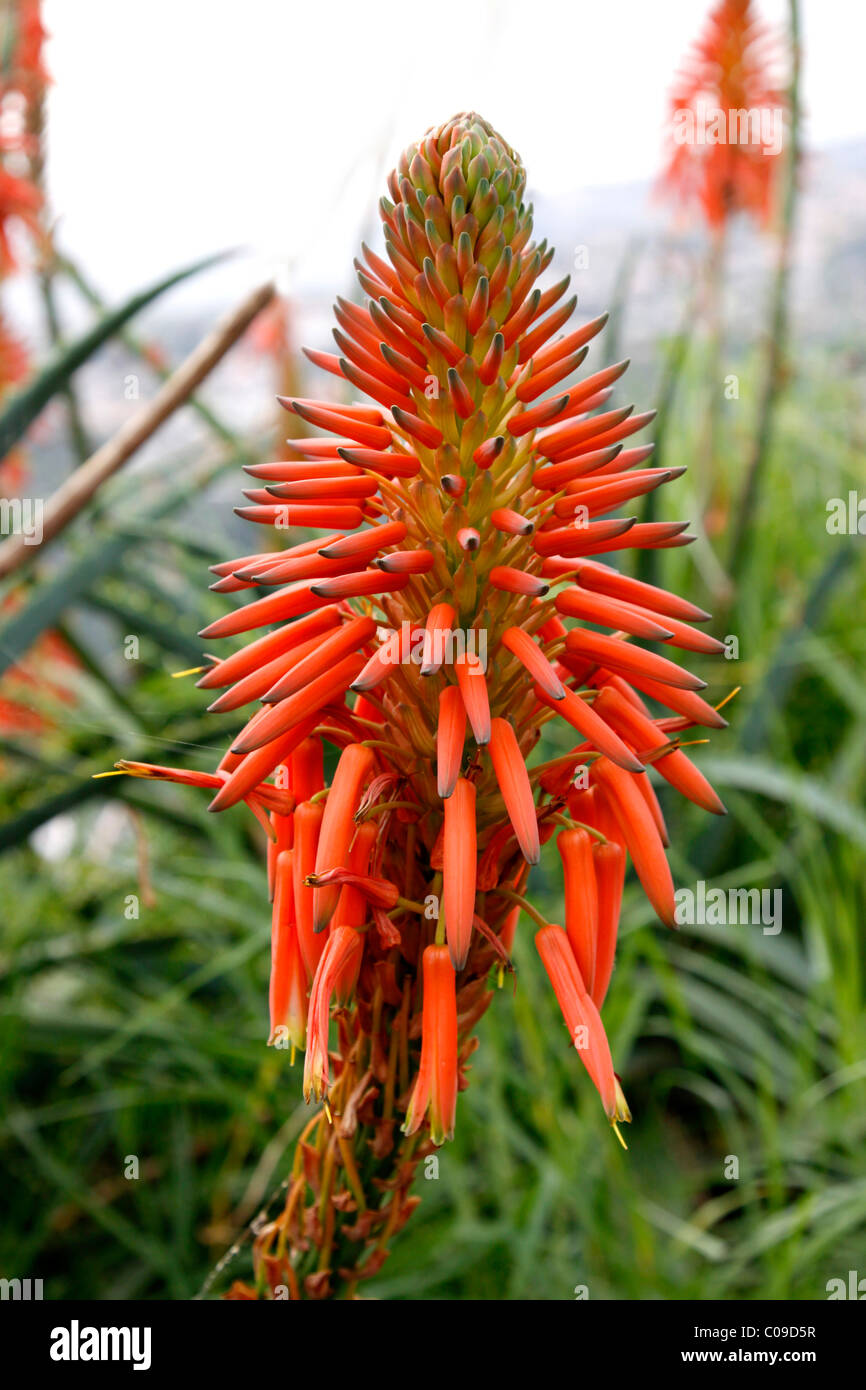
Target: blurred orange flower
x=727, y=119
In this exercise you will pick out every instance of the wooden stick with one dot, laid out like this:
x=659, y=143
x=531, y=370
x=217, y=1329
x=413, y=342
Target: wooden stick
x=80, y=487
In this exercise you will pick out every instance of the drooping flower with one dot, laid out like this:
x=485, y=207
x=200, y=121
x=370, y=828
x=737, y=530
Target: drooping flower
x=727, y=116
x=429, y=637
x=581, y=1017
x=342, y=949
x=436, y=1085
x=288, y=986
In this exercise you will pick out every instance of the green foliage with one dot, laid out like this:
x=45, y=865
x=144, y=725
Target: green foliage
x=27, y=403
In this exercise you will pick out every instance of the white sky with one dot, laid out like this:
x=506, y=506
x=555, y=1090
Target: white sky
x=184, y=126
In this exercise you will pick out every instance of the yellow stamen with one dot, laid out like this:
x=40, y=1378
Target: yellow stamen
x=292, y=1056
x=615, y=1127
x=736, y=690
x=120, y=772
x=190, y=671
x=328, y=1110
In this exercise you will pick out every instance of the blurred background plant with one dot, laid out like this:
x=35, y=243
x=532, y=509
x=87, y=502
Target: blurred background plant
x=134, y=947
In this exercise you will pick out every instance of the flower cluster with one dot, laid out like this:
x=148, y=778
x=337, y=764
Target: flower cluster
x=466, y=505
x=736, y=114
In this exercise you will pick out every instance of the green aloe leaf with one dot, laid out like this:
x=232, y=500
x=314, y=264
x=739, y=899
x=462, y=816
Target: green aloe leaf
x=808, y=794
x=77, y=578
x=26, y=404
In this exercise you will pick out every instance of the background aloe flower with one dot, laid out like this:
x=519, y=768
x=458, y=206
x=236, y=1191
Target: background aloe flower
x=731, y=149
x=468, y=504
x=33, y=692
x=730, y=69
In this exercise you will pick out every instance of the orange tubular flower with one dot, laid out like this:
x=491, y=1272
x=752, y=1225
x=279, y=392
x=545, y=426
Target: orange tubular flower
x=335, y=837
x=581, y=1016
x=581, y=899
x=438, y=625
x=307, y=830
x=515, y=786
x=643, y=733
x=343, y=947
x=609, y=866
x=640, y=833
x=473, y=687
x=288, y=991
x=727, y=74
x=450, y=738
x=381, y=892
x=434, y=608
x=436, y=1086
x=459, y=867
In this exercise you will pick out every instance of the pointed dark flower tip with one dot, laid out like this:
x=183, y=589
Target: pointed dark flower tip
x=461, y=397
x=425, y=433
x=453, y=485
x=489, y=451
x=515, y=581
x=511, y=523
